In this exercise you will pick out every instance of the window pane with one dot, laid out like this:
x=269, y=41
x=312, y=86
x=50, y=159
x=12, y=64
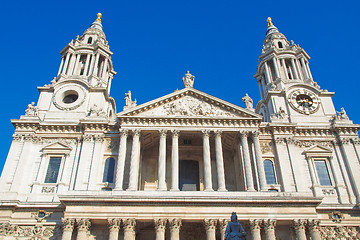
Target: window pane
x=323, y=173
x=269, y=172
x=53, y=170
x=109, y=170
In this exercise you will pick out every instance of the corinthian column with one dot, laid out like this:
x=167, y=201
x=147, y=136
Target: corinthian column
x=68, y=227
x=162, y=161
x=299, y=226
x=314, y=229
x=160, y=225
x=207, y=160
x=247, y=161
x=255, y=227
x=219, y=161
x=83, y=226
x=175, y=225
x=121, y=160
x=210, y=227
x=175, y=161
x=114, y=226
x=135, y=160
x=129, y=228
x=222, y=225
x=269, y=226
x=259, y=161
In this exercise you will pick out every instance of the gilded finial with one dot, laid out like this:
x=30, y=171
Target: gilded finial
x=98, y=17
x=269, y=20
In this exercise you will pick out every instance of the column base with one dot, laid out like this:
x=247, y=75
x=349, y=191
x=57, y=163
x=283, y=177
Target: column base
x=175, y=190
x=209, y=190
x=222, y=190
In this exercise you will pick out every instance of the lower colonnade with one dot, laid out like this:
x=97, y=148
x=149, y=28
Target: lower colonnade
x=125, y=228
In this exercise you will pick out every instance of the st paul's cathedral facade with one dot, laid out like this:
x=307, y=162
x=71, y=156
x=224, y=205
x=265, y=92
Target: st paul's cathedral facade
x=81, y=168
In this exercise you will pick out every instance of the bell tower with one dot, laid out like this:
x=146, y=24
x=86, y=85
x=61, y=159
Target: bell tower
x=82, y=85
x=287, y=89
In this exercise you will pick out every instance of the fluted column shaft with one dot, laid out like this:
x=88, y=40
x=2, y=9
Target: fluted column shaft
x=299, y=226
x=83, y=226
x=247, y=162
x=175, y=161
x=121, y=160
x=68, y=227
x=210, y=227
x=294, y=68
x=314, y=229
x=160, y=226
x=255, y=228
x=135, y=160
x=129, y=228
x=219, y=161
x=162, y=161
x=114, y=227
x=269, y=226
x=259, y=161
x=175, y=225
x=207, y=160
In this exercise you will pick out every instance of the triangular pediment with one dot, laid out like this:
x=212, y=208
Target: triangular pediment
x=318, y=151
x=189, y=102
x=57, y=148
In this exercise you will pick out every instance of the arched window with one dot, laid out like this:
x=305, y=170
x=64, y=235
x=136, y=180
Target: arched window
x=280, y=45
x=269, y=172
x=90, y=40
x=109, y=170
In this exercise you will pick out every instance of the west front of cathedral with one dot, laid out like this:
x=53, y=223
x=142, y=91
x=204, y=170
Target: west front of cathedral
x=81, y=168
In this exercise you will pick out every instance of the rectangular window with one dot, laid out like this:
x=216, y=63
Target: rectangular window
x=53, y=170
x=322, y=172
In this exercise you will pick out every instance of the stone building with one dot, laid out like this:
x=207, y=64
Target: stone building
x=177, y=166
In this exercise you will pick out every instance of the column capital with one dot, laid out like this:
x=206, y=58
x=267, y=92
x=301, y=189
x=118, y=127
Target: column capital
x=160, y=224
x=136, y=132
x=269, y=224
x=68, y=224
x=223, y=224
x=314, y=224
x=129, y=224
x=124, y=132
x=175, y=224
x=243, y=133
x=255, y=134
x=175, y=132
x=218, y=133
x=205, y=132
x=83, y=224
x=255, y=224
x=114, y=224
x=210, y=224
x=299, y=224
x=163, y=132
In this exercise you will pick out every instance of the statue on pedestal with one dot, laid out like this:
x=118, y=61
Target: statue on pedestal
x=234, y=230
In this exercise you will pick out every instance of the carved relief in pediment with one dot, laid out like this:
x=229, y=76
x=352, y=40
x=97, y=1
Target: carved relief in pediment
x=189, y=106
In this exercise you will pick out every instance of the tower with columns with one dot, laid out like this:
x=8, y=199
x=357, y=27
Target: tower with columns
x=178, y=166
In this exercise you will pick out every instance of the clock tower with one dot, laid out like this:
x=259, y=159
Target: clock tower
x=288, y=91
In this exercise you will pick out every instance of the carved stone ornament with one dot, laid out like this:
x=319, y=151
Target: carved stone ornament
x=48, y=189
x=34, y=232
x=40, y=215
x=32, y=110
x=265, y=147
x=68, y=224
x=339, y=232
x=269, y=224
x=129, y=224
x=328, y=191
x=342, y=115
x=129, y=103
x=336, y=216
x=223, y=224
x=210, y=224
x=112, y=144
x=255, y=224
x=188, y=80
x=188, y=106
x=83, y=224
x=114, y=224
x=96, y=111
x=160, y=224
x=175, y=224
x=299, y=224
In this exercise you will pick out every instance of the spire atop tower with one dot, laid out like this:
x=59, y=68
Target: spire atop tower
x=269, y=21
x=99, y=15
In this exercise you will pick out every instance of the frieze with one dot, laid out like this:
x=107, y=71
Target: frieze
x=37, y=231
x=307, y=143
x=328, y=192
x=339, y=232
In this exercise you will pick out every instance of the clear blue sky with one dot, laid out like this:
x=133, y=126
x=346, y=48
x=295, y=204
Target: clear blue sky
x=155, y=42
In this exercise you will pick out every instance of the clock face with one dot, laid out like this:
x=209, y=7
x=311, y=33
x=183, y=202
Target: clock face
x=304, y=101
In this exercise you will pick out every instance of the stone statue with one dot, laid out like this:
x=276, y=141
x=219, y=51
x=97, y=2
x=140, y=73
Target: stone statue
x=129, y=103
x=342, y=115
x=248, y=102
x=234, y=230
x=188, y=80
x=31, y=110
x=96, y=111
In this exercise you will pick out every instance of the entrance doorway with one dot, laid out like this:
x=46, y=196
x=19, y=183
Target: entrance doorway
x=189, y=175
